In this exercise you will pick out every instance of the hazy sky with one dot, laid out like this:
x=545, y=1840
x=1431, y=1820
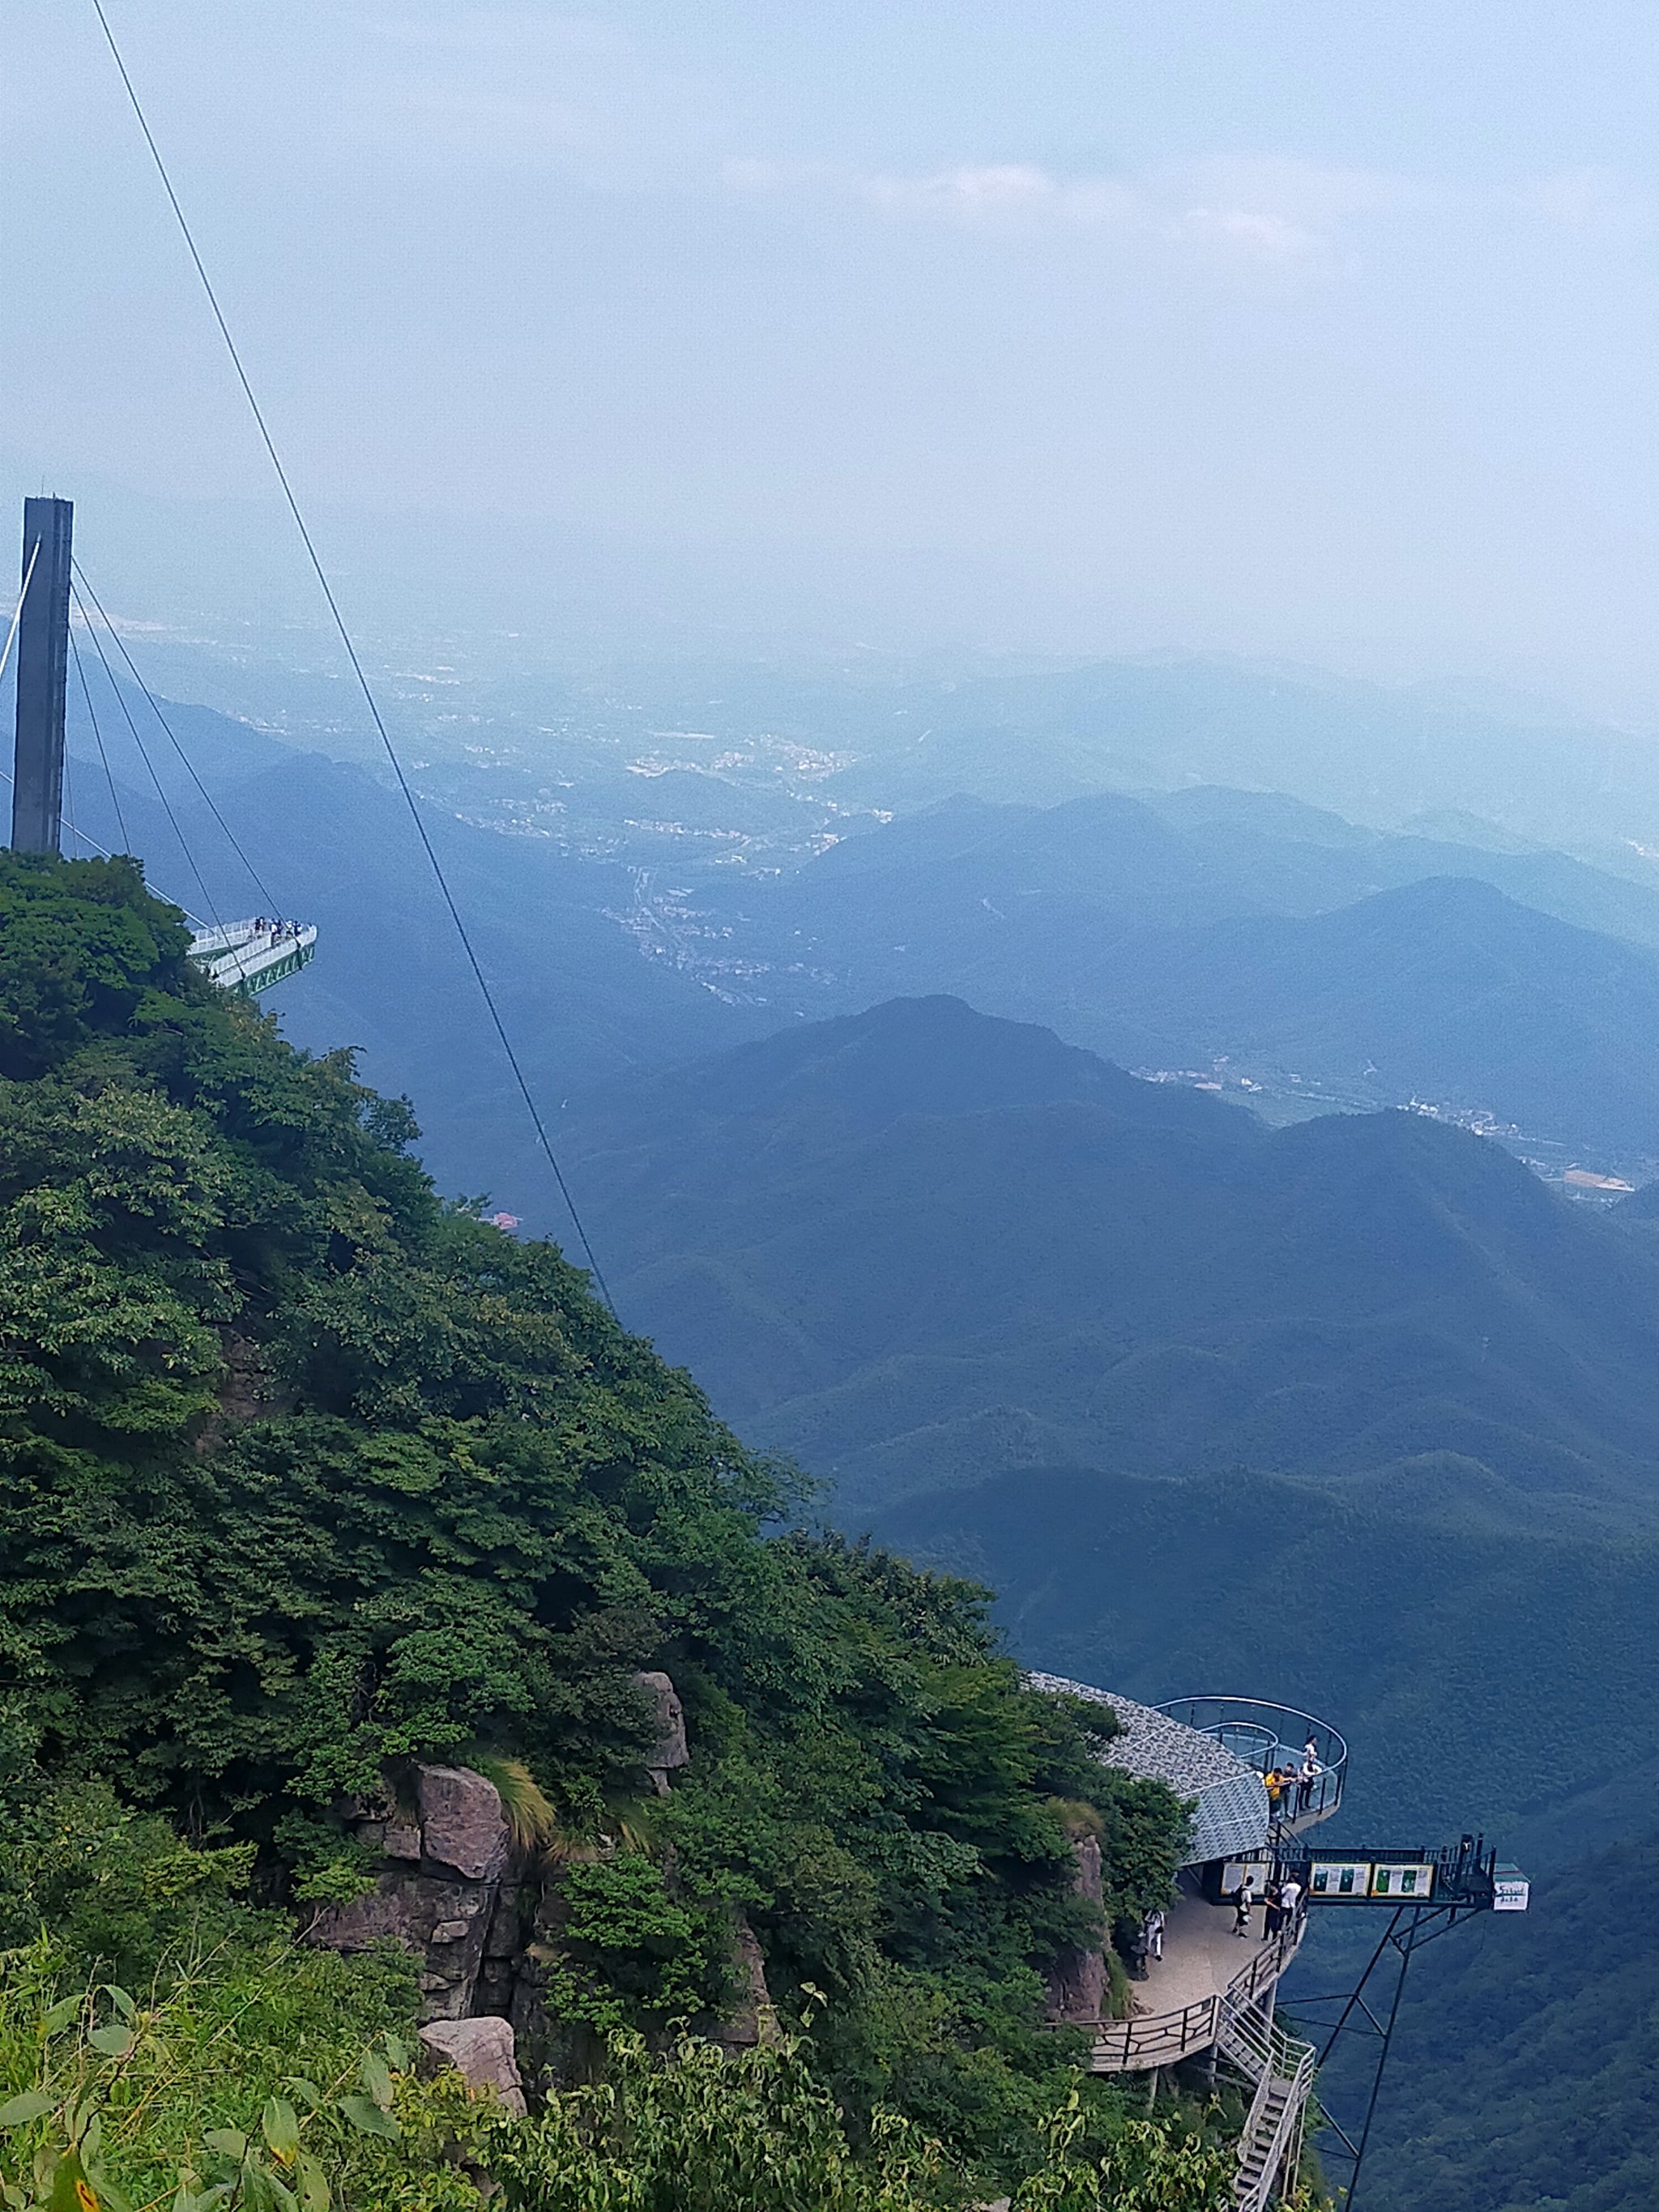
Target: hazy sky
x=1323, y=328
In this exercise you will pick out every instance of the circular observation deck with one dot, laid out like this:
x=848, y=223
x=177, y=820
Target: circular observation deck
x=1274, y=1740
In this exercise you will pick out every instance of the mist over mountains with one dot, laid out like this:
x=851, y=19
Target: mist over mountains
x=1214, y=1386
x=1245, y=940
x=663, y=893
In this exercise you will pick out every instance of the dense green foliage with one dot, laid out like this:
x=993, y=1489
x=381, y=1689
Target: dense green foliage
x=263, y=2079
x=304, y=1475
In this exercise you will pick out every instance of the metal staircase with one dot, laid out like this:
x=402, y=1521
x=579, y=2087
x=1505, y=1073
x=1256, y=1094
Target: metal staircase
x=1281, y=2070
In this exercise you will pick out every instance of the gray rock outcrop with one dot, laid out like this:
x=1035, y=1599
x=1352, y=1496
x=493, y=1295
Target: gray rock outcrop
x=462, y=1823
x=482, y=2052
x=753, y=2018
x=667, y=1751
x=1078, y=1981
x=440, y=1892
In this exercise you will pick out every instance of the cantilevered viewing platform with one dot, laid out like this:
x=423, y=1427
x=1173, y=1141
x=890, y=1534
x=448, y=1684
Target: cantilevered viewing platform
x=1257, y=1775
x=249, y=957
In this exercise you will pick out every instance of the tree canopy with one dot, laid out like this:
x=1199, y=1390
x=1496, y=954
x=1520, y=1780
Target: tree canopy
x=306, y=1473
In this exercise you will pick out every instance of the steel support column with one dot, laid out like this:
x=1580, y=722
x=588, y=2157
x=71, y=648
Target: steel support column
x=37, y=798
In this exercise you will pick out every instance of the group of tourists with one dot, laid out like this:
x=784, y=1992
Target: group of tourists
x=1282, y=1902
x=1291, y=1789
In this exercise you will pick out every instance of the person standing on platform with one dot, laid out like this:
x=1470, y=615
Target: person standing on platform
x=1309, y=1774
x=1273, y=1914
x=1244, y=1898
x=1153, y=1932
x=1289, y=1896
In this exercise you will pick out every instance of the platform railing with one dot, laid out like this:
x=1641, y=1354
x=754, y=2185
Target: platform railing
x=1267, y=1736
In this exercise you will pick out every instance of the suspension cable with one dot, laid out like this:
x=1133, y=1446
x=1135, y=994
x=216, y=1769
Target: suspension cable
x=143, y=755
x=212, y=805
x=17, y=612
x=357, y=670
x=69, y=799
x=92, y=717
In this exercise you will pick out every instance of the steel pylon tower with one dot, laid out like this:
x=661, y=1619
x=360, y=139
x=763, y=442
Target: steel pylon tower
x=37, y=797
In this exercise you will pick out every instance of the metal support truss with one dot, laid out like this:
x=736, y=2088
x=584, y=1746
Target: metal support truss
x=1366, y=2015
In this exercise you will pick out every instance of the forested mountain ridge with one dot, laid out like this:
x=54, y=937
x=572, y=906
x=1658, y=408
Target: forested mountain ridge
x=1357, y=1413
x=305, y=1477
x=1078, y=1269
x=1490, y=1669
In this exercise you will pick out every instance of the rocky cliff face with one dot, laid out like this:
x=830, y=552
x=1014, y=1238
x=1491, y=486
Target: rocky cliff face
x=1078, y=1982
x=440, y=1892
x=453, y=1888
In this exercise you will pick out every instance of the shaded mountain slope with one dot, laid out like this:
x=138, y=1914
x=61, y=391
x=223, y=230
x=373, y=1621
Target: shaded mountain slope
x=1443, y=990
x=1220, y=927
x=1485, y=1673
x=1526, y=2053
x=913, y=1297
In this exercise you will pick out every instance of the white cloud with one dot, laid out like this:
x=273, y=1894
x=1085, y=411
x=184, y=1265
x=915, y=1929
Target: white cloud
x=1256, y=235
x=1273, y=215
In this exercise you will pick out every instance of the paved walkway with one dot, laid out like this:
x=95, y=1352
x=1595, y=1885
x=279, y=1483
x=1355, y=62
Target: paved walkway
x=1201, y=1955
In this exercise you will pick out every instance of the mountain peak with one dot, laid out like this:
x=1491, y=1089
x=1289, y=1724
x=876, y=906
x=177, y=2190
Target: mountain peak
x=930, y=1055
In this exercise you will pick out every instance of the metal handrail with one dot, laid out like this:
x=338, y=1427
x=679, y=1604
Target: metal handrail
x=1159, y=2039
x=1257, y=1731
x=1266, y=2056
x=1211, y=1712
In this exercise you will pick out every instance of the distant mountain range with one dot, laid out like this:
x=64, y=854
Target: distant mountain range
x=1377, y=756
x=1235, y=936
x=1245, y=939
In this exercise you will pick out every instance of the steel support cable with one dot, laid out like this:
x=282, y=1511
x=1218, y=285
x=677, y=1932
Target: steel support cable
x=92, y=717
x=260, y=885
x=143, y=755
x=357, y=670
x=105, y=853
x=17, y=612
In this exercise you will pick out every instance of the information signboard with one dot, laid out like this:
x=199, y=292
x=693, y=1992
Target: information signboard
x=1369, y=1881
